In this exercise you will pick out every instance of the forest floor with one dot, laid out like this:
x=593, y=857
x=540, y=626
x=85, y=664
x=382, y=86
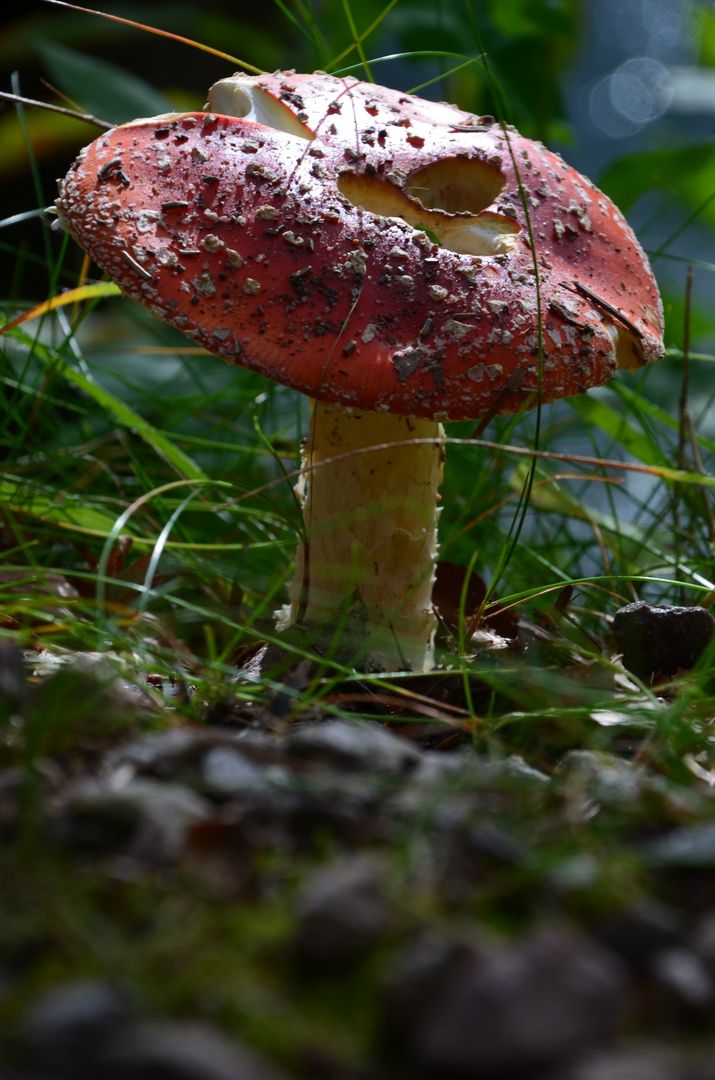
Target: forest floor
x=247, y=890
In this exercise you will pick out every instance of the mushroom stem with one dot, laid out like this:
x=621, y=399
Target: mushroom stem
x=371, y=530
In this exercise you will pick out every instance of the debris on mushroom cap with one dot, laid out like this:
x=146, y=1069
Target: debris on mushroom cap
x=368, y=248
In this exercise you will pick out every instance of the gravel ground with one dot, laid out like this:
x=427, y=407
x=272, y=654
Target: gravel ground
x=516, y=921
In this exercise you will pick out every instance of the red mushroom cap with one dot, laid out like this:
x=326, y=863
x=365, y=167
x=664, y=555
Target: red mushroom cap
x=310, y=254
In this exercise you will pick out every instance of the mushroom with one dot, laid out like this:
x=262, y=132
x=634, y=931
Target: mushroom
x=372, y=250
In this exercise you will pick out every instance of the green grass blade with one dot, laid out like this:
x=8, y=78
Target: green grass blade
x=596, y=412
x=65, y=511
x=116, y=408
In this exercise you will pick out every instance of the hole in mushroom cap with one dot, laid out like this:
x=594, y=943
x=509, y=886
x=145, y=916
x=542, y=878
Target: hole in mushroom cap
x=456, y=185
x=473, y=233
x=238, y=96
x=629, y=350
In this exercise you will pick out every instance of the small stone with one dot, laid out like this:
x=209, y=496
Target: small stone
x=474, y=772
x=638, y=933
x=85, y=1030
x=440, y=770
x=682, y=973
x=12, y=783
x=704, y=1066
x=352, y=747
x=342, y=910
x=161, y=753
x=424, y=967
x=688, y=846
x=179, y=1051
x=68, y=1019
x=537, y=1003
x=149, y=819
x=226, y=771
x=644, y=1061
x=703, y=937
x=661, y=641
x=517, y=771
x=600, y=776
x=13, y=687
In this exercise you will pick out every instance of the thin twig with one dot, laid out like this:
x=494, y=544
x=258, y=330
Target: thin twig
x=686, y=369
x=700, y=468
x=161, y=33
x=683, y=426
x=58, y=93
x=84, y=117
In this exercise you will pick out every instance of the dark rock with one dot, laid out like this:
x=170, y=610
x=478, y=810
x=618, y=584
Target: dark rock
x=12, y=781
x=318, y=1063
x=13, y=685
x=644, y=1061
x=281, y=819
x=537, y=1003
x=703, y=1068
x=660, y=641
x=14, y=1074
x=226, y=771
x=147, y=818
x=467, y=771
x=351, y=816
x=182, y=752
x=440, y=770
x=688, y=846
x=161, y=753
x=684, y=977
x=180, y=1051
x=67, y=1020
x=703, y=939
x=468, y=853
x=637, y=934
x=600, y=776
x=425, y=971
x=86, y=1031
x=341, y=910
x=352, y=747
x=490, y=845
x=513, y=770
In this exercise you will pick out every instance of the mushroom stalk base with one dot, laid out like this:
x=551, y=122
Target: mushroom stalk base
x=367, y=570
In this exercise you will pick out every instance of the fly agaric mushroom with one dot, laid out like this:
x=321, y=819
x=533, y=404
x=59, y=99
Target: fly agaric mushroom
x=372, y=250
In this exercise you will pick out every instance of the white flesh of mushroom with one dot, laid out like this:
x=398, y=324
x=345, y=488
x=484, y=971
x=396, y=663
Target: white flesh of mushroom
x=371, y=522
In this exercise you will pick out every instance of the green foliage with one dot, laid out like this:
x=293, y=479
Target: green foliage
x=683, y=174
x=704, y=28
x=101, y=88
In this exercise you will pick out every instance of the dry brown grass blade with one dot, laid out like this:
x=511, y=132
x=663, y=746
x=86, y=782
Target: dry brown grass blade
x=162, y=33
